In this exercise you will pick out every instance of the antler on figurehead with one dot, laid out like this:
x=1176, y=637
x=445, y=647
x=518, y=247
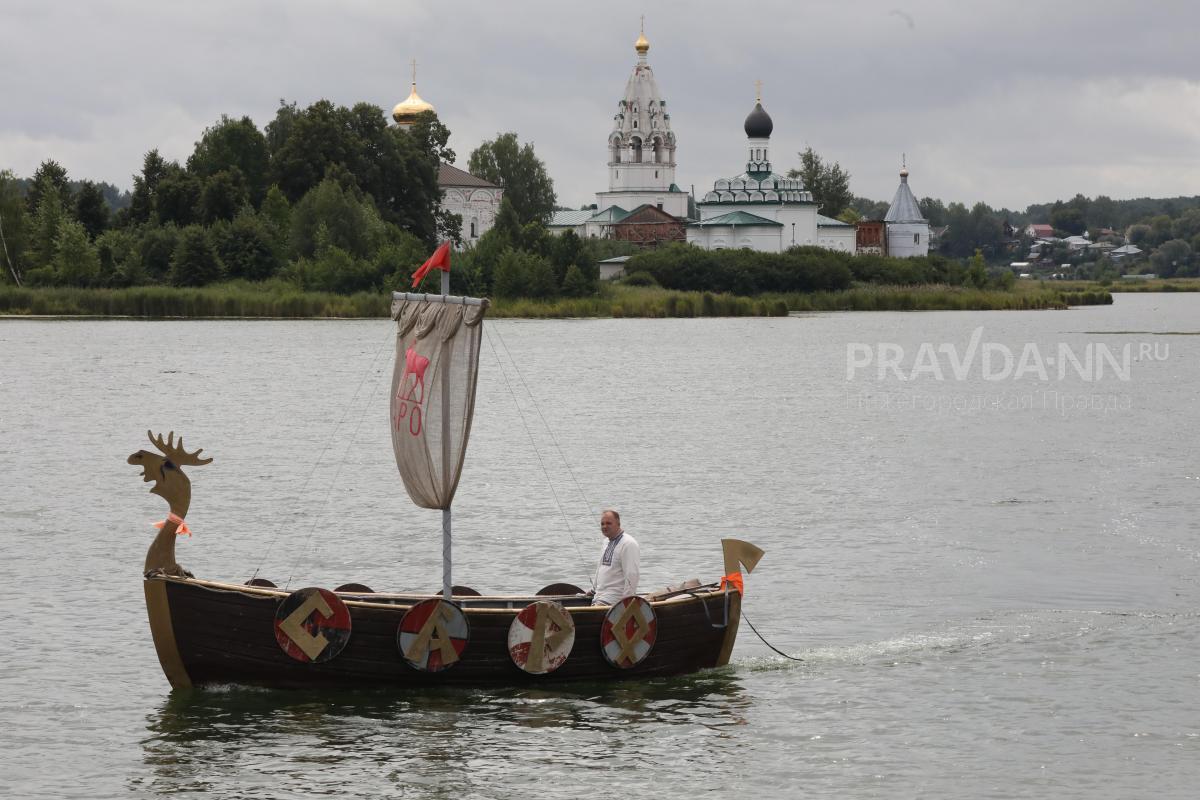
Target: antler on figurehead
x=175, y=452
x=170, y=483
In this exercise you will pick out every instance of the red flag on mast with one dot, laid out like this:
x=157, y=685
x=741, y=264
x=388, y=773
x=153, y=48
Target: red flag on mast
x=439, y=260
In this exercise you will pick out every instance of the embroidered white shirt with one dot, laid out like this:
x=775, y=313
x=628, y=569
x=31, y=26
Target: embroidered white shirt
x=619, y=576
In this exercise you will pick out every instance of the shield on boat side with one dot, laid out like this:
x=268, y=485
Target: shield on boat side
x=541, y=637
x=433, y=635
x=628, y=634
x=312, y=625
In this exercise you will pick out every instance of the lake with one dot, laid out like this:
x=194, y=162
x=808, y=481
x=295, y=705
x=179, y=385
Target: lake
x=981, y=537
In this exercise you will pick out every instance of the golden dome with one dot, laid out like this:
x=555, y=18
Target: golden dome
x=642, y=44
x=407, y=111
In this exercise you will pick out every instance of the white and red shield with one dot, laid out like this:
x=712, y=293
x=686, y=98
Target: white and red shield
x=541, y=637
x=433, y=635
x=628, y=633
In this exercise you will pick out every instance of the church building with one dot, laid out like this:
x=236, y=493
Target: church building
x=641, y=147
x=758, y=208
x=472, y=198
x=907, y=228
x=762, y=210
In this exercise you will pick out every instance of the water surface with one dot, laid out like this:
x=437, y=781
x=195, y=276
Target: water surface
x=993, y=589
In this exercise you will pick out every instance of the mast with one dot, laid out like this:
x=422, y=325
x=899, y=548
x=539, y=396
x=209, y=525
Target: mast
x=438, y=337
x=447, y=583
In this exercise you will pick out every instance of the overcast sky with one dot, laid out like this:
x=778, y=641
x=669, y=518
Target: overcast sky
x=1010, y=103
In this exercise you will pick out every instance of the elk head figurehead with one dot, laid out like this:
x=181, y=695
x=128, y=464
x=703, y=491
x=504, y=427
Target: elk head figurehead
x=165, y=470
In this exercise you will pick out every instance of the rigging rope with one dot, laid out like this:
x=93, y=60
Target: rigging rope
x=317, y=463
x=764, y=641
x=546, y=424
x=529, y=433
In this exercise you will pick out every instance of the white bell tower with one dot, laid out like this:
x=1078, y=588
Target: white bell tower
x=641, y=146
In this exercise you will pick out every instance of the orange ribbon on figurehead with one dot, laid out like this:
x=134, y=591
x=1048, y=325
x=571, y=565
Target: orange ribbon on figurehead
x=182, y=530
x=734, y=579
x=439, y=260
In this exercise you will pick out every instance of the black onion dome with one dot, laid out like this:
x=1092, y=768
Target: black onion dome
x=758, y=123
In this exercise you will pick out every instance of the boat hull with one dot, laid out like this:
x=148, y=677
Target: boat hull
x=210, y=633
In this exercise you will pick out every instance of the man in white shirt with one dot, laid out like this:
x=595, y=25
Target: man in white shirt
x=617, y=576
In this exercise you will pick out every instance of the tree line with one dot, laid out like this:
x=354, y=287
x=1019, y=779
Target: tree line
x=1167, y=228
x=685, y=267
x=326, y=198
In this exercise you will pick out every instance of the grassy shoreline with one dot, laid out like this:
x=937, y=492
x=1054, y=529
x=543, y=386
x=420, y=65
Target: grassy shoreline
x=246, y=300
x=1133, y=285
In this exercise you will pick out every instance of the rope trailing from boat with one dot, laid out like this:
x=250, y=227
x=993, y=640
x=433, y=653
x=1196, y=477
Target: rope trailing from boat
x=764, y=641
x=529, y=433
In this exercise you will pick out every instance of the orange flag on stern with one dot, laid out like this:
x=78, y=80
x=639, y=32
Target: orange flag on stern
x=439, y=260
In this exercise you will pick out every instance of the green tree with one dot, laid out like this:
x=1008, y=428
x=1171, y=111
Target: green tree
x=145, y=188
x=1160, y=229
x=566, y=250
x=536, y=239
x=350, y=223
x=120, y=263
x=276, y=214
x=1172, y=257
x=195, y=262
x=247, y=249
x=156, y=247
x=14, y=228
x=521, y=174
x=506, y=227
x=539, y=275
x=977, y=271
x=1139, y=235
x=223, y=195
x=829, y=183
x=1068, y=218
x=933, y=210
x=432, y=137
x=47, y=223
x=234, y=145
x=49, y=177
x=1187, y=225
x=178, y=197
x=511, y=276
x=575, y=284
x=1102, y=213
x=91, y=209
x=76, y=262
x=386, y=163
x=279, y=129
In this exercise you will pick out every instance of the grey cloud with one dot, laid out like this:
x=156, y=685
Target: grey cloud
x=1012, y=105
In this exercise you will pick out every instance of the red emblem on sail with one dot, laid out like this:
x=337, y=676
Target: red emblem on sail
x=415, y=365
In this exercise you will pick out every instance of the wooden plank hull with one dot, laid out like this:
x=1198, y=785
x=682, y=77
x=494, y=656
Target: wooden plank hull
x=224, y=633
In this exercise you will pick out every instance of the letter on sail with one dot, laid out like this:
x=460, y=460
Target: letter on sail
x=433, y=392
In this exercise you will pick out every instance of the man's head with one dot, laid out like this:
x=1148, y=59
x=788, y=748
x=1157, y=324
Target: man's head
x=610, y=524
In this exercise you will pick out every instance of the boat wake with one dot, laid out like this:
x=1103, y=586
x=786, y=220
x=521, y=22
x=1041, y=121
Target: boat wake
x=1042, y=627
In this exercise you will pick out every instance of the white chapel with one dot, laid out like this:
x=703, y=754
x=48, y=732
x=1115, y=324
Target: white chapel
x=907, y=228
x=762, y=210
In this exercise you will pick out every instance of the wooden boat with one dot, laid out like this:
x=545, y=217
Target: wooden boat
x=208, y=632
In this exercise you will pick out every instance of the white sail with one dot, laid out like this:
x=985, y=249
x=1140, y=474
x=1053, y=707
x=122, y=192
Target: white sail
x=433, y=391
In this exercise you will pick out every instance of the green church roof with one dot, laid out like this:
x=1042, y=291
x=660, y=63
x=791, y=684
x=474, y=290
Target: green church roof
x=739, y=218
